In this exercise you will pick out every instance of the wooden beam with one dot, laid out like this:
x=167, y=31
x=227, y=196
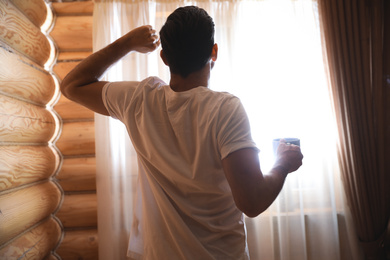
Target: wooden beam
x=21, y=165
x=34, y=244
x=35, y=10
x=69, y=110
x=24, y=208
x=22, y=79
x=78, y=174
x=84, y=8
x=73, y=33
x=77, y=139
x=79, y=244
x=24, y=123
x=78, y=210
x=21, y=34
x=63, y=68
x=65, y=56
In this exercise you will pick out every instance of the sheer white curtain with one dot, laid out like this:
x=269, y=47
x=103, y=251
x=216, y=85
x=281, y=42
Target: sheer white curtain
x=270, y=56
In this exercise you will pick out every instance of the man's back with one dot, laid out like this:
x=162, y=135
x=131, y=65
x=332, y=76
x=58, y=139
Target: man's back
x=186, y=209
x=180, y=139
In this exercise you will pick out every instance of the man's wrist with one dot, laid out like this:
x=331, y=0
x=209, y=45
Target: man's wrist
x=279, y=169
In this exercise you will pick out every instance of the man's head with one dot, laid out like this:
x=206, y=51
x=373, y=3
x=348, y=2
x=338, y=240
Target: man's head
x=187, y=39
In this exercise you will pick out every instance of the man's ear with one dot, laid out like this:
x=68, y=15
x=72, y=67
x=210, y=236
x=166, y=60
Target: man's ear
x=214, y=52
x=163, y=58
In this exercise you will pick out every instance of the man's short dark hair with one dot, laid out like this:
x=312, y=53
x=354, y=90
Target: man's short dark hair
x=187, y=39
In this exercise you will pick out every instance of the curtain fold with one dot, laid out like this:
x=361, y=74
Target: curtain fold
x=354, y=40
x=116, y=160
x=270, y=57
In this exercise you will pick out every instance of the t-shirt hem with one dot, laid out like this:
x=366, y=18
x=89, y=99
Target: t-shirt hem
x=236, y=147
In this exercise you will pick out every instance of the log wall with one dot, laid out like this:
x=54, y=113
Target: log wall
x=72, y=33
x=29, y=159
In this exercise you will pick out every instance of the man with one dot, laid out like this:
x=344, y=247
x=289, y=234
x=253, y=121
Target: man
x=198, y=166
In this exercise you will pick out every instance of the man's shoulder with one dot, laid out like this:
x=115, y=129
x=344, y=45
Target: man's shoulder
x=153, y=82
x=222, y=96
x=226, y=98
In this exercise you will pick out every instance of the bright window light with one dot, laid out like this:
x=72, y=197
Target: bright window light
x=277, y=71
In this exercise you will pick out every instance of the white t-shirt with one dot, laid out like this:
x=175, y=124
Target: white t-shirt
x=185, y=207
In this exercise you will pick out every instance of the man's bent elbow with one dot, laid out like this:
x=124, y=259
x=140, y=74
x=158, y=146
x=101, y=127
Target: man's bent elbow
x=66, y=91
x=70, y=92
x=252, y=211
x=69, y=88
x=70, y=85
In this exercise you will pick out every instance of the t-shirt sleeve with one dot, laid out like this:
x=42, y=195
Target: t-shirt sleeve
x=234, y=128
x=117, y=97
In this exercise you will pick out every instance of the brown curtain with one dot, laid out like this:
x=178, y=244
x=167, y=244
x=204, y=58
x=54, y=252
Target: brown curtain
x=355, y=36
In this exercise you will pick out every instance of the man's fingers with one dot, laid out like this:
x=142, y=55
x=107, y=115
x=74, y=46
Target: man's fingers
x=155, y=38
x=145, y=40
x=153, y=31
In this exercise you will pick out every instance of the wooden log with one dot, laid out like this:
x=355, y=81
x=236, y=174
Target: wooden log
x=24, y=80
x=74, y=8
x=78, y=174
x=24, y=208
x=77, y=138
x=78, y=210
x=69, y=110
x=34, y=244
x=21, y=165
x=61, y=69
x=73, y=33
x=24, y=122
x=21, y=34
x=73, y=56
x=35, y=10
x=80, y=244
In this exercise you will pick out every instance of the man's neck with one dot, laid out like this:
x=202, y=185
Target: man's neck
x=196, y=79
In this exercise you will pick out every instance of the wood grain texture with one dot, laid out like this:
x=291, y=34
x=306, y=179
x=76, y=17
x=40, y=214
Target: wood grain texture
x=61, y=69
x=35, y=244
x=24, y=122
x=78, y=210
x=24, y=80
x=20, y=165
x=24, y=208
x=73, y=56
x=21, y=34
x=78, y=174
x=73, y=33
x=69, y=110
x=73, y=8
x=35, y=10
x=80, y=244
x=77, y=138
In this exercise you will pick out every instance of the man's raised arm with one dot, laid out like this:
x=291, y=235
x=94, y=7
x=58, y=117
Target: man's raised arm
x=82, y=84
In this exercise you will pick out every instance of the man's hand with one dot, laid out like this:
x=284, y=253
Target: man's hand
x=288, y=156
x=144, y=39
